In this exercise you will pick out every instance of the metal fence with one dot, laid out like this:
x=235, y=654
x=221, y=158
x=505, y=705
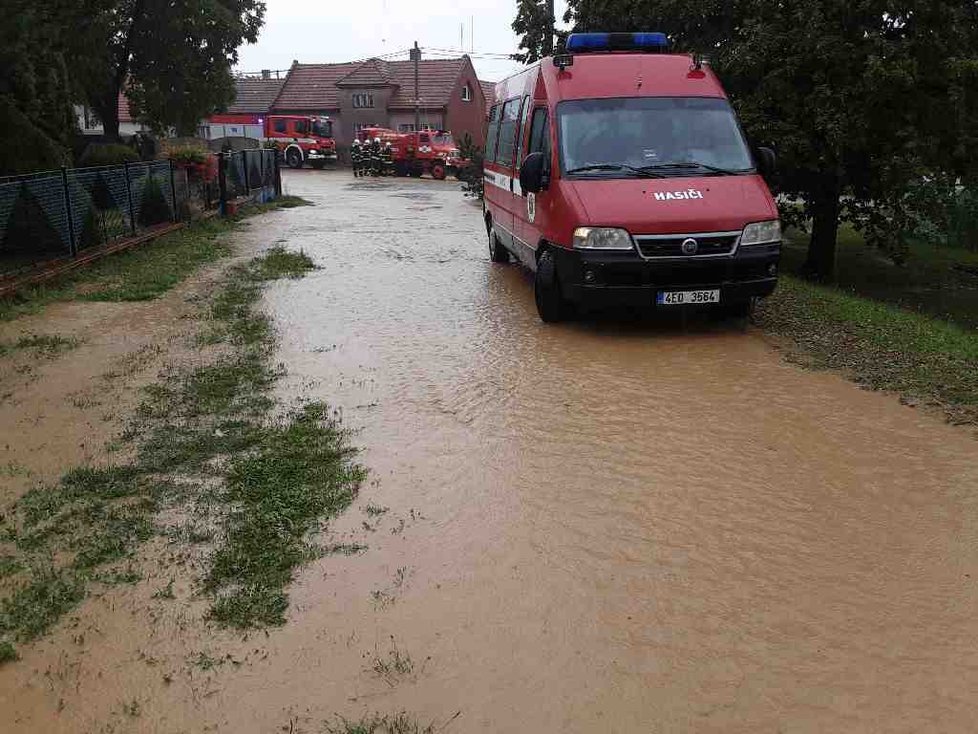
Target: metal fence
x=251, y=173
x=61, y=214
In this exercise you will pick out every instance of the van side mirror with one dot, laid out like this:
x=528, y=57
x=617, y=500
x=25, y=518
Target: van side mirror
x=767, y=161
x=533, y=173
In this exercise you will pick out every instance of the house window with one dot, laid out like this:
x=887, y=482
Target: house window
x=363, y=100
x=405, y=127
x=91, y=119
x=466, y=93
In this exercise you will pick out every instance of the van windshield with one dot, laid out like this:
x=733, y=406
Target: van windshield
x=681, y=136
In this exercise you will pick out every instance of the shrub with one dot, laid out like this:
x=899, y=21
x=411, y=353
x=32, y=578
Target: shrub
x=111, y=154
x=189, y=155
x=471, y=176
x=154, y=209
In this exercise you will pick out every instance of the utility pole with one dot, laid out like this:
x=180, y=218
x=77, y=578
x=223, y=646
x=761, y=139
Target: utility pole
x=416, y=58
x=548, y=41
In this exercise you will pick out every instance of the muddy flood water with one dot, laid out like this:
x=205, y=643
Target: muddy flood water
x=604, y=526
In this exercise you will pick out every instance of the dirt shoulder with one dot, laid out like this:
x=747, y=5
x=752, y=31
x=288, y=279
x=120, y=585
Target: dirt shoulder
x=925, y=360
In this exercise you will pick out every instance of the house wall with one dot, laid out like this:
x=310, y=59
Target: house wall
x=467, y=117
x=353, y=116
x=434, y=119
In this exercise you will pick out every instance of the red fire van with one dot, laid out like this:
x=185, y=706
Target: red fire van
x=619, y=174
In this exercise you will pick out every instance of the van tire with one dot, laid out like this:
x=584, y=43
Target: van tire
x=497, y=253
x=551, y=304
x=438, y=172
x=293, y=158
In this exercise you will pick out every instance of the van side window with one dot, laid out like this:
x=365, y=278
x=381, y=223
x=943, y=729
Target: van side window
x=508, y=124
x=302, y=126
x=522, y=137
x=492, y=133
x=539, y=132
x=280, y=126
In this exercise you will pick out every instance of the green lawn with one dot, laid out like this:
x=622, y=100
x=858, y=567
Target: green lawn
x=145, y=272
x=936, y=281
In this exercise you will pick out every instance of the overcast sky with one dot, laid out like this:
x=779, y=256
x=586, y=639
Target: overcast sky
x=324, y=32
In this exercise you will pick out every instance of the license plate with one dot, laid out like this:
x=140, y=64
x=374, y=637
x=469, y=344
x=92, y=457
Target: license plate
x=679, y=298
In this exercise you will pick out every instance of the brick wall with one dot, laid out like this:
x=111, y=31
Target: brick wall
x=467, y=117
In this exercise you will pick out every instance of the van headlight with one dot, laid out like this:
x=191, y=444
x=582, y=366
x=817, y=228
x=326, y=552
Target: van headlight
x=761, y=233
x=602, y=238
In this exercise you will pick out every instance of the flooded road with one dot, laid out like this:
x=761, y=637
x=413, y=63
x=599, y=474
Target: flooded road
x=628, y=527
x=591, y=527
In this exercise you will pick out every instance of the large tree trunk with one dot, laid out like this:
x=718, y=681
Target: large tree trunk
x=820, y=264
x=107, y=109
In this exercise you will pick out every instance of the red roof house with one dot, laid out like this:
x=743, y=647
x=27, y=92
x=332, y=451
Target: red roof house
x=377, y=92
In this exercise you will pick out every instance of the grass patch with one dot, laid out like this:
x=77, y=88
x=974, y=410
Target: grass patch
x=35, y=606
x=400, y=723
x=879, y=345
x=206, y=424
x=144, y=272
x=8, y=652
x=936, y=281
x=299, y=473
x=42, y=345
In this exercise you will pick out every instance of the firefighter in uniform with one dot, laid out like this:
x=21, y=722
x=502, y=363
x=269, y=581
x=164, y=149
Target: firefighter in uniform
x=356, y=158
x=388, y=160
x=376, y=164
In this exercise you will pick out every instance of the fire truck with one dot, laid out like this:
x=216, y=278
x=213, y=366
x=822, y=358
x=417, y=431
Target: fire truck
x=417, y=153
x=302, y=139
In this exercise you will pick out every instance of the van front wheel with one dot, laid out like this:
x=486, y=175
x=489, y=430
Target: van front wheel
x=497, y=253
x=551, y=305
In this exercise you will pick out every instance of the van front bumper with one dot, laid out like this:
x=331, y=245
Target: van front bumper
x=605, y=279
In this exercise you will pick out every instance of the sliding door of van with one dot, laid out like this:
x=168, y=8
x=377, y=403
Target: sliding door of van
x=500, y=172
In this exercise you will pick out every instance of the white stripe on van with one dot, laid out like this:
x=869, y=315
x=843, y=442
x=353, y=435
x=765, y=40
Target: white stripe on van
x=504, y=182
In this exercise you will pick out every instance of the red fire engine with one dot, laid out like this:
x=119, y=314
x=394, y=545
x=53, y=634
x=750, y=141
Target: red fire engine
x=416, y=153
x=302, y=139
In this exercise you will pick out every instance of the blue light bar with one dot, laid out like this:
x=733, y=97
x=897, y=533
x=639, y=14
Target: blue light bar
x=590, y=42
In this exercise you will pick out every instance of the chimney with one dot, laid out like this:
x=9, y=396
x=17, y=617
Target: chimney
x=266, y=73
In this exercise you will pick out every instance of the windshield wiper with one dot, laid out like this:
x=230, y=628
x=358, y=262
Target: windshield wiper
x=644, y=172
x=693, y=164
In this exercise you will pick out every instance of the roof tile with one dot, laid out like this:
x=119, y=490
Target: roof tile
x=254, y=96
x=314, y=86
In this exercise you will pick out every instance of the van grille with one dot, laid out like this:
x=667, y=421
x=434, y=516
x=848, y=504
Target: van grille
x=720, y=243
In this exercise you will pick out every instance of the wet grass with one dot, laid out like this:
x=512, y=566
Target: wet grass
x=300, y=472
x=935, y=281
x=206, y=438
x=8, y=653
x=882, y=346
x=67, y=537
x=144, y=272
x=41, y=345
x=400, y=723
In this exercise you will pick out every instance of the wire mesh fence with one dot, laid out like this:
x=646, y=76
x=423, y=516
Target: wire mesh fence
x=250, y=173
x=52, y=215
